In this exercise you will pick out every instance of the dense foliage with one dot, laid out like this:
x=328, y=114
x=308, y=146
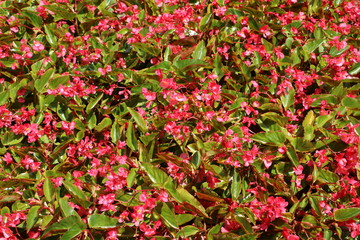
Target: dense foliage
x=179, y=119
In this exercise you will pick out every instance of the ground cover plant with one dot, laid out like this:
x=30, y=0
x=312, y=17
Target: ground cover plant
x=169, y=119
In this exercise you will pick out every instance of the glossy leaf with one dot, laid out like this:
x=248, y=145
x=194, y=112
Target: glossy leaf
x=61, y=13
x=44, y=79
x=34, y=18
x=32, y=217
x=302, y=145
x=187, y=231
x=184, y=218
x=94, y=102
x=72, y=232
x=50, y=36
x=355, y=69
x=66, y=224
x=115, y=132
x=131, y=140
x=9, y=138
x=189, y=64
x=60, y=80
x=48, y=189
x=326, y=176
x=188, y=198
x=351, y=102
x=205, y=21
x=235, y=186
x=138, y=119
x=270, y=138
x=65, y=207
x=106, y=122
x=312, y=45
x=288, y=99
x=155, y=174
x=200, y=51
x=78, y=194
x=346, y=214
x=99, y=221
x=167, y=213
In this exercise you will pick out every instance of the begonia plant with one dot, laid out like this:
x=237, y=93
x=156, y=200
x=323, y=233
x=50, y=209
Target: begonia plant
x=169, y=119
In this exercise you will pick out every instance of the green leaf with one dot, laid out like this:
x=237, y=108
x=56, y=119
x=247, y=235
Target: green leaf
x=291, y=153
x=4, y=97
x=93, y=103
x=218, y=66
x=270, y=138
x=190, y=199
x=244, y=223
x=44, y=79
x=335, y=52
x=189, y=64
x=99, y=221
x=312, y=45
x=138, y=119
x=196, y=159
x=281, y=120
x=187, y=231
x=314, y=202
x=72, y=233
x=60, y=13
x=268, y=46
x=78, y=194
x=235, y=186
x=106, y=122
x=131, y=140
x=66, y=224
x=155, y=174
x=35, y=19
x=309, y=119
x=346, y=214
x=205, y=22
x=309, y=221
x=236, y=12
x=50, y=36
x=130, y=179
x=337, y=2
x=32, y=217
x=168, y=215
x=253, y=24
x=60, y=80
x=302, y=145
x=351, y=102
x=327, y=176
x=322, y=120
x=288, y=99
x=115, y=133
x=184, y=218
x=65, y=207
x=146, y=139
x=48, y=189
x=355, y=69
x=9, y=138
x=200, y=51
x=147, y=48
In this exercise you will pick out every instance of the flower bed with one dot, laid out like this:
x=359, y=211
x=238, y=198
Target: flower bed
x=179, y=119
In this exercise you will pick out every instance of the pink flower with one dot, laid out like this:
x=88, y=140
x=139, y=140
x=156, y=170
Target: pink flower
x=29, y=163
x=148, y=231
x=7, y=158
x=38, y=46
x=68, y=127
x=150, y=96
x=106, y=202
x=57, y=181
